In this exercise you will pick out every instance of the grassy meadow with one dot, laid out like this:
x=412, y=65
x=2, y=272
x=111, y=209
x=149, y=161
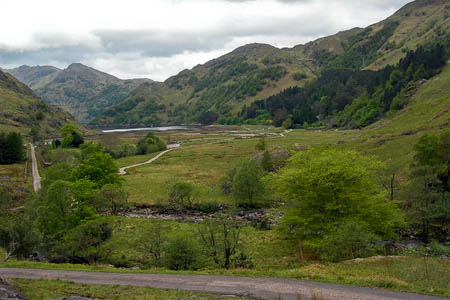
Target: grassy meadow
x=51, y=289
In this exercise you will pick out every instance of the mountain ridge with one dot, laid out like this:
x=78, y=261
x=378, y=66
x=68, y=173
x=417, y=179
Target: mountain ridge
x=79, y=89
x=22, y=110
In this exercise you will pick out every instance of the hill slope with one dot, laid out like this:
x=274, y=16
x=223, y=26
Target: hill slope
x=81, y=90
x=23, y=110
x=257, y=71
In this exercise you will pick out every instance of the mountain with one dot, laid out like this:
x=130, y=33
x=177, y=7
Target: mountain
x=81, y=90
x=23, y=110
x=35, y=77
x=226, y=85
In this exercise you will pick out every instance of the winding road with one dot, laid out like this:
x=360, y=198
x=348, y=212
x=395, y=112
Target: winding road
x=172, y=147
x=35, y=170
x=263, y=288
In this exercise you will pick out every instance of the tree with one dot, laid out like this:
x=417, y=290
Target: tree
x=220, y=239
x=154, y=241
x=429, y=188
x=182, y=252
x=331, y=187
x=11, y=148
x=98, y=167
x=58, y=209
x=17, y=236
x=247, y=185
x=208, y=117
x=72, y=136
x=82, y=243
x=34, y=133
x=266, y=162
x=182, y=194
x=261, y=144
x=114, y=196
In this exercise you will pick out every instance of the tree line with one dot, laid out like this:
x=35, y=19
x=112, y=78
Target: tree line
x=351, y=98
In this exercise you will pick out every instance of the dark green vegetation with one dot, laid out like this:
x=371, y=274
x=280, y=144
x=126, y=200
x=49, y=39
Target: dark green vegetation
x=346, y=98
x=11, y=148
x=80, y=90
x=62, y=219
x=21, y=111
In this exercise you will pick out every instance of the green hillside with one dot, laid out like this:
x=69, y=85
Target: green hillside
x=78, y=89
x=257, y=71
x=22, y=110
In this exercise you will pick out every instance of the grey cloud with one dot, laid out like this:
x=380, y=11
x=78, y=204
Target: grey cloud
x=159, y=44
x=57, y=56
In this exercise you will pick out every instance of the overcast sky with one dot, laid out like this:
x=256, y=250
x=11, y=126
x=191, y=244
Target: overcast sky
x=158, y=38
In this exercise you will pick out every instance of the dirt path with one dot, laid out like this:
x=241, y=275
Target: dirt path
x=123, y=172
x=264, y=288
x=35, y=170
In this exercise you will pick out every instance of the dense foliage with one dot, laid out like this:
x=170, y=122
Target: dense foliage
x=11, y=148
x=333, y=191
x=353, y=98
x=428, y=205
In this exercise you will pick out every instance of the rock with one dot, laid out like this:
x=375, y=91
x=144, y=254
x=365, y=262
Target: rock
x=8, y=293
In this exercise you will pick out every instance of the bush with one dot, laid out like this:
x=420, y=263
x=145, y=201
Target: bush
x=11, y=148
x=182, y=253
x=350, y=241
x=182, y=194
x=299, y=76
x=247, y=185
x=82, y=244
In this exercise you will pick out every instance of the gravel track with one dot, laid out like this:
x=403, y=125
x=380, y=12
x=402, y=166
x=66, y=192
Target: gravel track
x=263, y=288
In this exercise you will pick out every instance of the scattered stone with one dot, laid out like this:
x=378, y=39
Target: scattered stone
x=8, y=293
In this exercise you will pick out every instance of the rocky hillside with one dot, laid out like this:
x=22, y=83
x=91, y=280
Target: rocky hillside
x=80, y=90
x=22, y=110
x=256, y=71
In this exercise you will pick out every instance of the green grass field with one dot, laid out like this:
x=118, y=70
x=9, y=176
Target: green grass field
x=51, y=289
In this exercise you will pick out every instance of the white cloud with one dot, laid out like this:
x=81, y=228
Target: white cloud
x=158, y=38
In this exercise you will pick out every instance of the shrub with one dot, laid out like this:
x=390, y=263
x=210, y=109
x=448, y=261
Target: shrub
x=82, y=244
x=351, y=240
x=261, y=145
x=266, y=162
x=182, y=194
x=182, y=253
x=247, y=185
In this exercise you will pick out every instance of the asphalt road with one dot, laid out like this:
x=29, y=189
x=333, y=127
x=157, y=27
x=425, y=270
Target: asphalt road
x=35, y=170
x=264, y=288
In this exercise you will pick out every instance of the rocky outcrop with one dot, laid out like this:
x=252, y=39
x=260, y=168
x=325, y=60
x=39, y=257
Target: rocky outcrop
x=8, y=293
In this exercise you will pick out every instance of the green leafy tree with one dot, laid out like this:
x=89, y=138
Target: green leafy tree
x=429, y=189
x=82, y=243
x=115, y=198
x=34, y=133
x=183, y=252
x=99, y=168
x=182, y=194
x=266, y=162
x=261, y=144
x=153, y=242
x=247, y=186
x=331, y=187
x=11, y=148
x=59, y=210
x=72, y=136
x=17, y=235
